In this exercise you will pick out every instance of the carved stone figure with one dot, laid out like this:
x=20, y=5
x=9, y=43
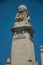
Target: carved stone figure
x=22, y=14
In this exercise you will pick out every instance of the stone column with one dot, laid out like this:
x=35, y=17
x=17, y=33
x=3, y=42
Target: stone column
x=41, y=49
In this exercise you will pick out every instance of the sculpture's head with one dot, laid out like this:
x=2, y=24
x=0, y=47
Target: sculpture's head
x=22, y=8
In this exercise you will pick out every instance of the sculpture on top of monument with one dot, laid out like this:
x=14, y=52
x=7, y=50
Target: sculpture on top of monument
x=22, y=14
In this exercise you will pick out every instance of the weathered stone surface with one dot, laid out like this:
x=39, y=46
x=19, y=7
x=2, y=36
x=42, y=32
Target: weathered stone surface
x=22, y=50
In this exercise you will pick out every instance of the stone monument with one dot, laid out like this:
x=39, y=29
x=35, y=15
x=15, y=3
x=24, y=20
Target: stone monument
x=22, y=51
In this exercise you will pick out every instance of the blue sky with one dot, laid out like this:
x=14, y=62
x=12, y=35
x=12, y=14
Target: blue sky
x=8, y=10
